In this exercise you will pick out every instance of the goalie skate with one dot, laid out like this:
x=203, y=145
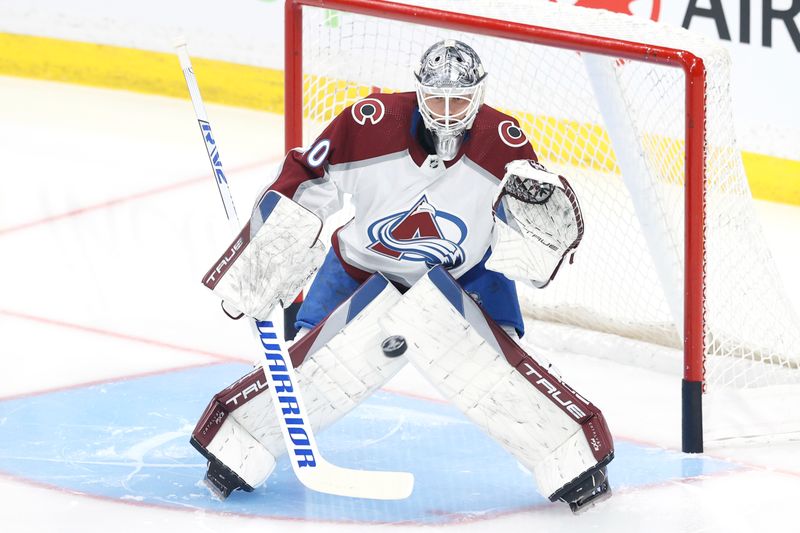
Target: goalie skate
x=219, y=479
x=586, y=491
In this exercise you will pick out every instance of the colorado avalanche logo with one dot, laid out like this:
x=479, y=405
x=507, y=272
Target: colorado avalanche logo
x=368, y=109
x=420, y=234
x=511, y=134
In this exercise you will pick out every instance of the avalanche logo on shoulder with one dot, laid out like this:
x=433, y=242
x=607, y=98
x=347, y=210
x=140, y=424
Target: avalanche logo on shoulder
x=423, y=233
x=511, y=134
x=368, y=109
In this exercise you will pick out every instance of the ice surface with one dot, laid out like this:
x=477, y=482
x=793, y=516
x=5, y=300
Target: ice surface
x=110, y=347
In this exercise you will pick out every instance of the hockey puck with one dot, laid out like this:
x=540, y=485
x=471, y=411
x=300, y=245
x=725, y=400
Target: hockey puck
x=394, y=346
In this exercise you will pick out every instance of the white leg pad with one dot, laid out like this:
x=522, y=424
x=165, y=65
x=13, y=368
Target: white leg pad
x=243, y=454
x=334, y=379
x=343, y=364
x=454, y=346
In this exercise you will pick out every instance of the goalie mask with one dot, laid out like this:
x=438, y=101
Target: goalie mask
x=450, y=88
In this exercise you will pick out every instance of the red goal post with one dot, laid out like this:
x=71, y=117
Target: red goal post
x=695, y=134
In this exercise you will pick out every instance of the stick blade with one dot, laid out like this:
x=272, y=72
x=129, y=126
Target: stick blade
x=369, y=484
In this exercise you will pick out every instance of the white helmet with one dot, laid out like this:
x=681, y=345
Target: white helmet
x=450, y=88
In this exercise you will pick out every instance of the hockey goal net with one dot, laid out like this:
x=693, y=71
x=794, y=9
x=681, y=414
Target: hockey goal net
x=638, y=116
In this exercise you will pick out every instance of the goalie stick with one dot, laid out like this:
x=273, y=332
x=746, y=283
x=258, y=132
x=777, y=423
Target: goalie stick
x=310, y=467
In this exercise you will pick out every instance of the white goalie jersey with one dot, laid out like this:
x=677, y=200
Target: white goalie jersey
x=413, y=211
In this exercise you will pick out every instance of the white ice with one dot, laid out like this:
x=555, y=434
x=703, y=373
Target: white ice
x=108, y=218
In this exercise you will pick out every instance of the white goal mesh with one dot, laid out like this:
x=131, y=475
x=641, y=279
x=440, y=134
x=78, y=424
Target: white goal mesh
x=577, y=109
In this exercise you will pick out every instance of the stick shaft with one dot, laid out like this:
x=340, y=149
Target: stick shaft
x=208, y=138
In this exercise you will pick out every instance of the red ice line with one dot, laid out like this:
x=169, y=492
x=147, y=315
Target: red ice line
x=104, y=205
x=124, y=199
x=217, y=357
x=117, y=335
x=452, y=519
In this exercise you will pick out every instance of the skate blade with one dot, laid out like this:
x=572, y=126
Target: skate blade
x=580, y=508
x=215, y=491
